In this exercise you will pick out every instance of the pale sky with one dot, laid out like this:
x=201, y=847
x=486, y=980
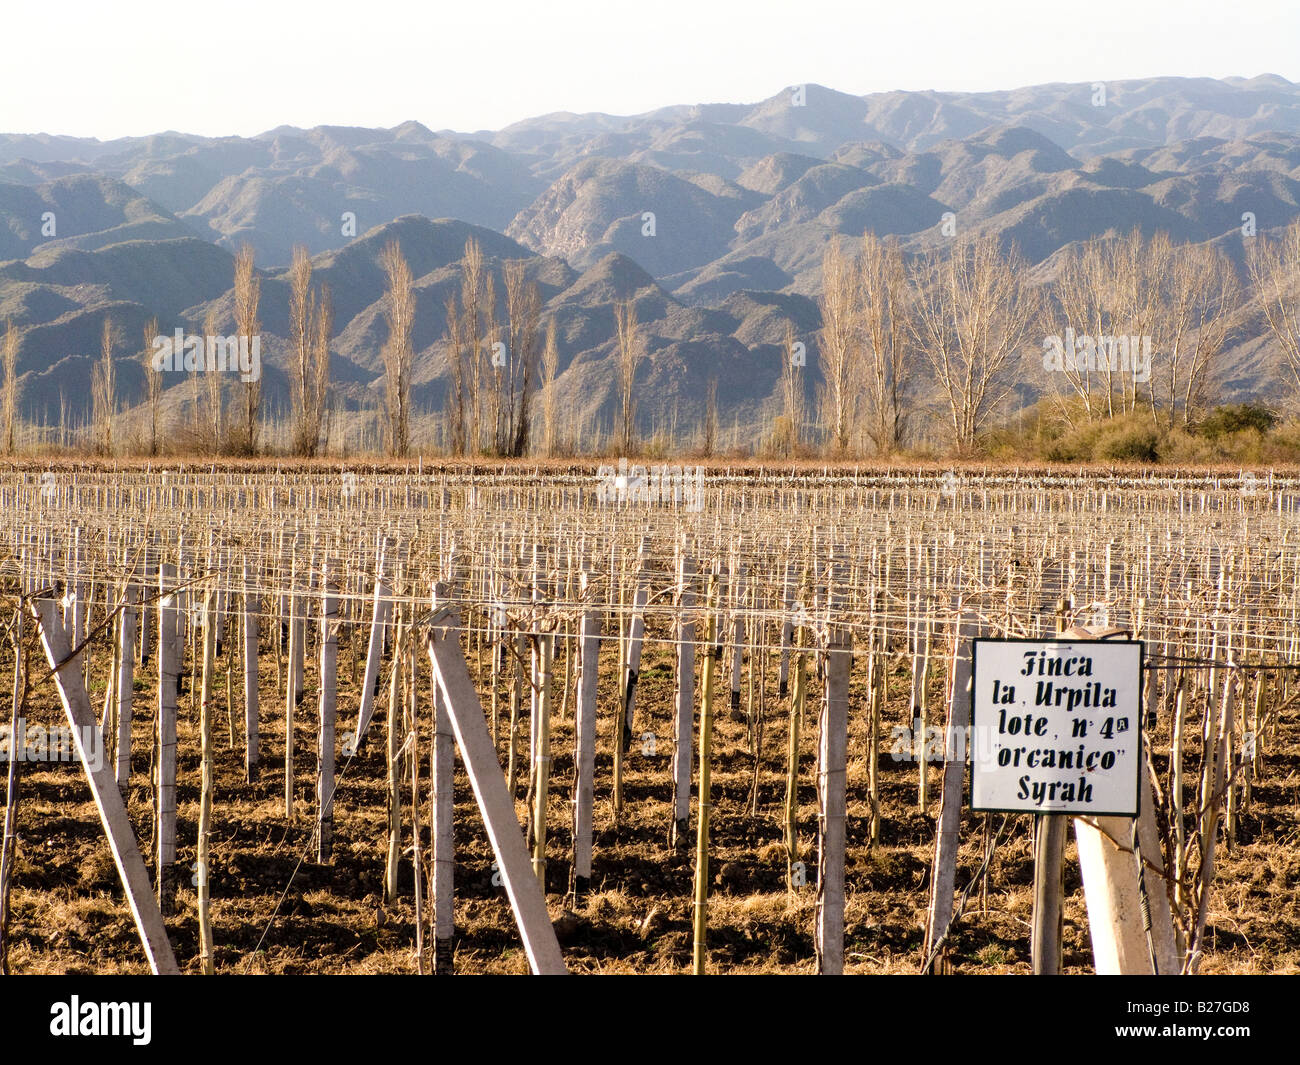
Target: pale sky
x=94, y=68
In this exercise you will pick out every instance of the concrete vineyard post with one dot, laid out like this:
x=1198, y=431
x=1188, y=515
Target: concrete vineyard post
x=9, y=841
x=125, y=684
x=103, y=786
x=585, y=741
x=396, y=741
x=208, y=769
x=831, y=777
x=797, y=696
x=1217, y=774
x=787, y=629
x=328, y=716
x=443, y=813
x=636, y=634
x=379, y=620
x=168, y=671
x=684, y=702
x=484, y=771
x=250, y=600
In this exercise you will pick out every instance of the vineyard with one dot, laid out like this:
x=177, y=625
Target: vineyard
x=493, y=719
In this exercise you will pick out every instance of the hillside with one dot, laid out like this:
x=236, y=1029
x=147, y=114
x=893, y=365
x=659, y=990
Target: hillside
x=714, y=217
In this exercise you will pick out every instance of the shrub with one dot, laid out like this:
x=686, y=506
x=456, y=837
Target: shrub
x=1076, y=445
x=1181, y=448
x=1124, y=439
x=1282, y=445
x=1127, y=442
x=1233, y=418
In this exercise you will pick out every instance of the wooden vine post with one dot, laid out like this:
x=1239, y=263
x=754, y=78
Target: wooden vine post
x=1049, y=882
x=713, y=652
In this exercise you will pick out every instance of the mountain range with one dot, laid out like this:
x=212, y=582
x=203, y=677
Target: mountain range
x=713, y=217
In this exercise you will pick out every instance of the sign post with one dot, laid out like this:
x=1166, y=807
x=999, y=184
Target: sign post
x=1047, y=933
x=1057, y=730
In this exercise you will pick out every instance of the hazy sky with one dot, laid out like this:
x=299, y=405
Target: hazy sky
x=93, y=68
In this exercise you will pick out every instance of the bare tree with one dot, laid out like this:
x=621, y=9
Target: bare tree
x=1085, y=295
x=9, y=390
x=153, y=380
x=309, y=338
x=1114, y=297
x=1140, y=268
x=839, y=339
x=489, y=390
x=322, y=335
x=523, y=312
x=631, y=350
x=1201, y=289
x=472, y=330
x=1275, y=275
x=302, y=385
x=550, y=400
x=213, y=418
x=888, y=351
x=456, y=427
x=198, y=417
x=247, y=297
x=104, y=387
x=792, y=393
x=400, y=312
x=711, y=417
x=492, y=378
x=973, y=316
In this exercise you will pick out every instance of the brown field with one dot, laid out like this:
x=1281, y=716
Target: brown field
x=274, y=910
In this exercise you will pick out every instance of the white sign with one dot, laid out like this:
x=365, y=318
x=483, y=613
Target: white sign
x=1056, y=726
